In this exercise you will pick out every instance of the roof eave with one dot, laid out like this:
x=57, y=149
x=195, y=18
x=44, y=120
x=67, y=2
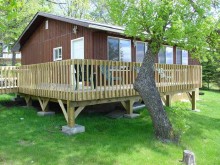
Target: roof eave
x=106, y=29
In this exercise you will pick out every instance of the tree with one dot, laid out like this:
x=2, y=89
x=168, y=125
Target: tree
x=15, y=16
x=72, y=8
x=100, y=11
x=211, y=62
x=96, y=10
x=211, y=71
x=186, y=23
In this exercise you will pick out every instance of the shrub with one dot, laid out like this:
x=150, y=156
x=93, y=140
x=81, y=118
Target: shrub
x=18, y=64
x=178, y=115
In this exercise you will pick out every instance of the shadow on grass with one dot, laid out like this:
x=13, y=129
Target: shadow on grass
x=27, y=138
x=200, y=123
x=211, y=90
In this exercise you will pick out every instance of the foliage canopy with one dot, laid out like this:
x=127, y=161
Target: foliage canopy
x=189, y=24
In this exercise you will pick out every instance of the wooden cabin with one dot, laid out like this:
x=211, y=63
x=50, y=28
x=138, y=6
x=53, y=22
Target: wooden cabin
x=80, y=63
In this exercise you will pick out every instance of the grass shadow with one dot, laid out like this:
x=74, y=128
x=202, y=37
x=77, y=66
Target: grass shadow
x=29, y=139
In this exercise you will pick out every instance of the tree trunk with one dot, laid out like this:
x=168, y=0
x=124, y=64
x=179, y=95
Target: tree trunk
x=146, y=87
x=13, y=58
x=208, y=84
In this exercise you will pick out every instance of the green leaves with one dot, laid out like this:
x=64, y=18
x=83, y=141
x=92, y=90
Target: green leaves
x=15, y=15
x=187, y=24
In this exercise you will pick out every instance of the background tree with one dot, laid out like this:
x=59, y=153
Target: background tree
x=100, y=11
x=96, y=10
x=7, y=11
x=15, y=16
x=72, y=8
x=187, y=24
x=211, y=62
x=211, y=71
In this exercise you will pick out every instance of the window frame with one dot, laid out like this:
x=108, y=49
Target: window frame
x=182, y=56
x=54, y=55
x=145, y=48
x=119, y=38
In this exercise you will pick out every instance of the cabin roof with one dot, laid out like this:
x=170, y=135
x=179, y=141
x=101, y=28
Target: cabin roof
x=40, y=16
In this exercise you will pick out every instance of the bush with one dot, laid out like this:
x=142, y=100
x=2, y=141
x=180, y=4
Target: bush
x=18, y=64
x=178, y=115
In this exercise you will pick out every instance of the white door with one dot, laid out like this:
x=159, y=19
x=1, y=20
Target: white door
x=77, y=52
x=77, y=48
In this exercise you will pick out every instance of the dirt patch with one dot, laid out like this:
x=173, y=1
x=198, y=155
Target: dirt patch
x=2, y=159
x=25, y=143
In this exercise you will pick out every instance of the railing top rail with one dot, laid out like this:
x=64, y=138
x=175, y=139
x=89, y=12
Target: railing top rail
x=1, y=67
x=80, y=61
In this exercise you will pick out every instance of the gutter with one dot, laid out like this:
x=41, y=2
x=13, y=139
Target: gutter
x=106, y=28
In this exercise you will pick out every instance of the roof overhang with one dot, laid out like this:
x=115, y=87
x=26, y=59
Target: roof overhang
x=106, y=29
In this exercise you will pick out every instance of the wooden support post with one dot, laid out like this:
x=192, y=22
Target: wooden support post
x=189, y=96
x=163, y=100
x=63, y=109
x=43, y=104
x=78, y=110
x=71, y=114
x=168, y=100
x=28, y=100
x=193, y=100
x=128, y=105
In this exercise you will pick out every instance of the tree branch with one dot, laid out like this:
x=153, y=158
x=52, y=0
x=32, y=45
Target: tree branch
x=57, y=3
x=195, y=7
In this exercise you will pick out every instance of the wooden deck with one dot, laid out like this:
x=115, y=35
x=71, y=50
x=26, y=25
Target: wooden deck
x=86, y=82
x=71, y=79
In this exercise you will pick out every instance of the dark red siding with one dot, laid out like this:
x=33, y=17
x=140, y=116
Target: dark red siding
x=39, y=47
x=100, y=45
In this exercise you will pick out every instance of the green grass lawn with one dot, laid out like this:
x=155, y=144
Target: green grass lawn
x=28, y=139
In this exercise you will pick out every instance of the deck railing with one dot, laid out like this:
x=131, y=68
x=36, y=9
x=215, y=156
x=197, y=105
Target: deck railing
x=8, y=79
x=79, y=80
x=172, y=77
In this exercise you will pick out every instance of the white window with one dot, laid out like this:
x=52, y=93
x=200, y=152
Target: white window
x=141, y=49
x=5, y=49
x=57, y=53
x=119, y=49
x=165, y=55
x=181, y=56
